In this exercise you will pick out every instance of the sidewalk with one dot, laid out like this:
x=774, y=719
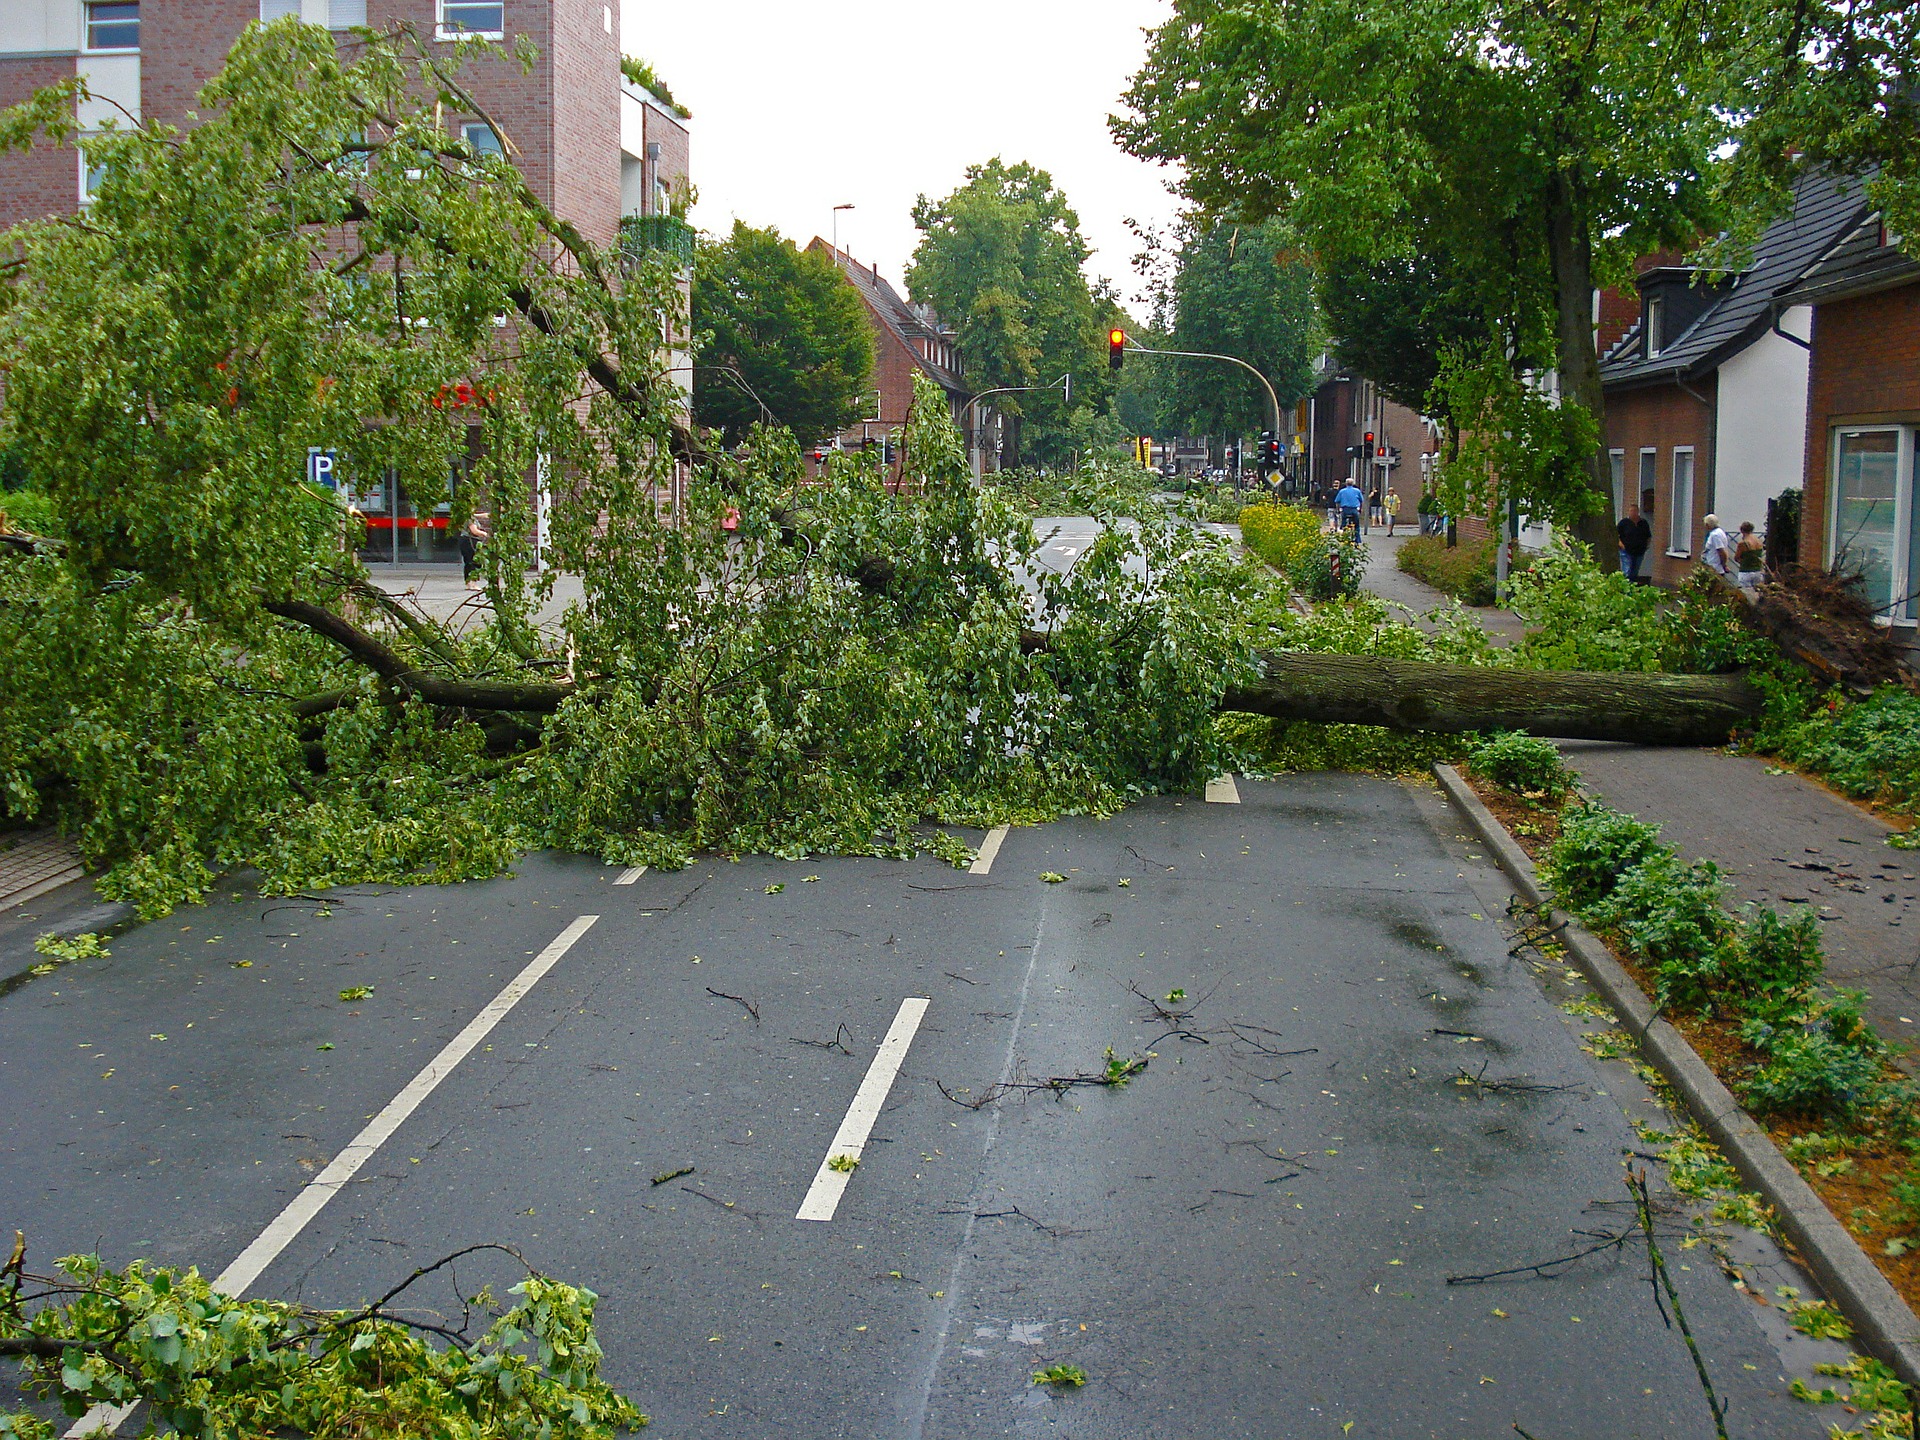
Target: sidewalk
x=1779, y=838
x=1387, y=580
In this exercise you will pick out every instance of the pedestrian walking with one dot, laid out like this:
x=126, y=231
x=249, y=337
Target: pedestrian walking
x=1749, y=557
x=1393, y=510
x=1635, y=536
x=1376, y=506
x=1717, y=552
x=1348, y=502
x=473, y=534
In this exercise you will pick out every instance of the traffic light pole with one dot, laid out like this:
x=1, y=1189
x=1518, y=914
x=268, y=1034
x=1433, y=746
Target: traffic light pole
x=1272, y=396
x=1064, y=384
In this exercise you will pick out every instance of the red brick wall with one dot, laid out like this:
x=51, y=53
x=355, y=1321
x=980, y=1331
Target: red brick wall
x=183, y=44
x=676, y=159
x=1619, y=313
x=44, y=180
x=1865, y=367
x=1664, y=417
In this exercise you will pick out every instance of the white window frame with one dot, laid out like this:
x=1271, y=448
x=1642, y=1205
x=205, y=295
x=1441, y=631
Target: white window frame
x=442, y=31
x=1656, y=312
x=1617, y=470
x=86, y=31
x=1680, y=519
x=1647, y=477
x=86, y=172
x=1906, y=565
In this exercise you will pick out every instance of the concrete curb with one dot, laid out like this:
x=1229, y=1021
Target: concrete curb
x=1883, y=1323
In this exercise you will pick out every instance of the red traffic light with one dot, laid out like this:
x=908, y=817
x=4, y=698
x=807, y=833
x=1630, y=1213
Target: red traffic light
x=1369, y=437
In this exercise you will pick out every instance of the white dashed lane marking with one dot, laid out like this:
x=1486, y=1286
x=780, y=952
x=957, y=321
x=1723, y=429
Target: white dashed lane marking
x=313, y=1197
x=823, y=1197
x=989, y=848
x=1223, y=791
x=630, y=874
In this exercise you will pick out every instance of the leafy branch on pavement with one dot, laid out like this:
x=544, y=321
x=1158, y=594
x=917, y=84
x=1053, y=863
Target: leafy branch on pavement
x=210, y=1363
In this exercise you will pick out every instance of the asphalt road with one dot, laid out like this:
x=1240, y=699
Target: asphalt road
x=1252, y=1238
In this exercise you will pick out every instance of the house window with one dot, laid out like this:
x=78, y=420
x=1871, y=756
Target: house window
x=272, y=10
x=1617, y=466
x=482, y=138
x=90, y=178
x=1680, y=518
x=113, y=26
x=346, y=14
x=462, y=17
x=1874, y=530
x=1656, y=314
x=1649, y=459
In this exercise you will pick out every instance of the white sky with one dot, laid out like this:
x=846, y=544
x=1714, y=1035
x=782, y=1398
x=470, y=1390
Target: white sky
x=801, y=107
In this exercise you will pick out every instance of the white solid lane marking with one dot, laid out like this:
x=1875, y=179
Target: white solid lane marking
x=631, y=874
x=1223, y=791
x=823, y=1198
x=989, y=847
x=313, y=1197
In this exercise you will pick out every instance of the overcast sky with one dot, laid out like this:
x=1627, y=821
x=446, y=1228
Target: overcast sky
x=798, y=108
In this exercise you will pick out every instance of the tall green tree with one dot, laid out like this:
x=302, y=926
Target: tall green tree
x=1001, y=259
x=781, y=324
x=1394, y=319
x=1237, y=290
x=1536, y=147
x=1833, y=83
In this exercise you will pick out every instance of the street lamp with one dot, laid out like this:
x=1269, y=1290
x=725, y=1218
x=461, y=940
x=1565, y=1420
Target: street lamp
x=836, y=228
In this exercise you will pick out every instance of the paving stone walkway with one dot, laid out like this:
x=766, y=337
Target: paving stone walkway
x=1779, y=838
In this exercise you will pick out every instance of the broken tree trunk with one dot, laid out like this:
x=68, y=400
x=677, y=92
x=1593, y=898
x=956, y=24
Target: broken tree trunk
x=1564, y=704
x=1327, y=689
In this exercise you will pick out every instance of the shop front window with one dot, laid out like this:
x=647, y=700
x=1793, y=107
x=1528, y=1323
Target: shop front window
x=1873, y=528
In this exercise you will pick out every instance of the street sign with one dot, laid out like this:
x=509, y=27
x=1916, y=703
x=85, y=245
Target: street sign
x=320, y=468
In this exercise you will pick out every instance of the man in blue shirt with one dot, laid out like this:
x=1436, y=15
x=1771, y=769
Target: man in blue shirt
x=1350, y=500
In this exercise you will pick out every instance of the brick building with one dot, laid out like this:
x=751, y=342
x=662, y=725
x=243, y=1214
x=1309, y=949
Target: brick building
x=1706, y=388
x=603, y=153
x=910, y=339
x=1343, y=411
x=1863, y=419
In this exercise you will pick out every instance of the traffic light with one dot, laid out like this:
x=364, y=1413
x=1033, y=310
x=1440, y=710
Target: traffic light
x=1369, y=443
x=1116, y=347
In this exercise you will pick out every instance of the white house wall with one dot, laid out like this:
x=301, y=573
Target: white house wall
x=39, y=27
x=1760, y=424
x=114, y=81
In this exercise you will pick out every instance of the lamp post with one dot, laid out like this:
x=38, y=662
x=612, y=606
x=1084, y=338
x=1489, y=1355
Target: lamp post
x=836, y=228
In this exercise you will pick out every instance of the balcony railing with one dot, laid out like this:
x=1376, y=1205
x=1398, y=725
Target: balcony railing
x=668, y=235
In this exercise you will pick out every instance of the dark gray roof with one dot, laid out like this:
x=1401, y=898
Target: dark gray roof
x=897, y=315
x=1825, y=209
x=1859, y=265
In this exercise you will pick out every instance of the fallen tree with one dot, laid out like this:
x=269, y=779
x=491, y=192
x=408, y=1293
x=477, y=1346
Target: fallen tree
x=1640, y=708
x=201, y=676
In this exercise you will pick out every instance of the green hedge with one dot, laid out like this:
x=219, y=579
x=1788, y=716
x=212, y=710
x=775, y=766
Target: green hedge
x=1463, y=571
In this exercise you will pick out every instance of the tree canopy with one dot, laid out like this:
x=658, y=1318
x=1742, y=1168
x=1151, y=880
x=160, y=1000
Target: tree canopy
x=1001, y=259
x=1532, y=148
x=201, y=674
x=1236, y=290
x=787, y=328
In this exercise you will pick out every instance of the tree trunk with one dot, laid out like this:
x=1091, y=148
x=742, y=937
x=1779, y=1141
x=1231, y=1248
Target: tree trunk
x=1565, y=704
x=1570, y=246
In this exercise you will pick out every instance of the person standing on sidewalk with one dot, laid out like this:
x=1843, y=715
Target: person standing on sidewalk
x=472, y=535
x=1749, y=557
x=1393, y=510
x=1635, y=536
x=1717, y=552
